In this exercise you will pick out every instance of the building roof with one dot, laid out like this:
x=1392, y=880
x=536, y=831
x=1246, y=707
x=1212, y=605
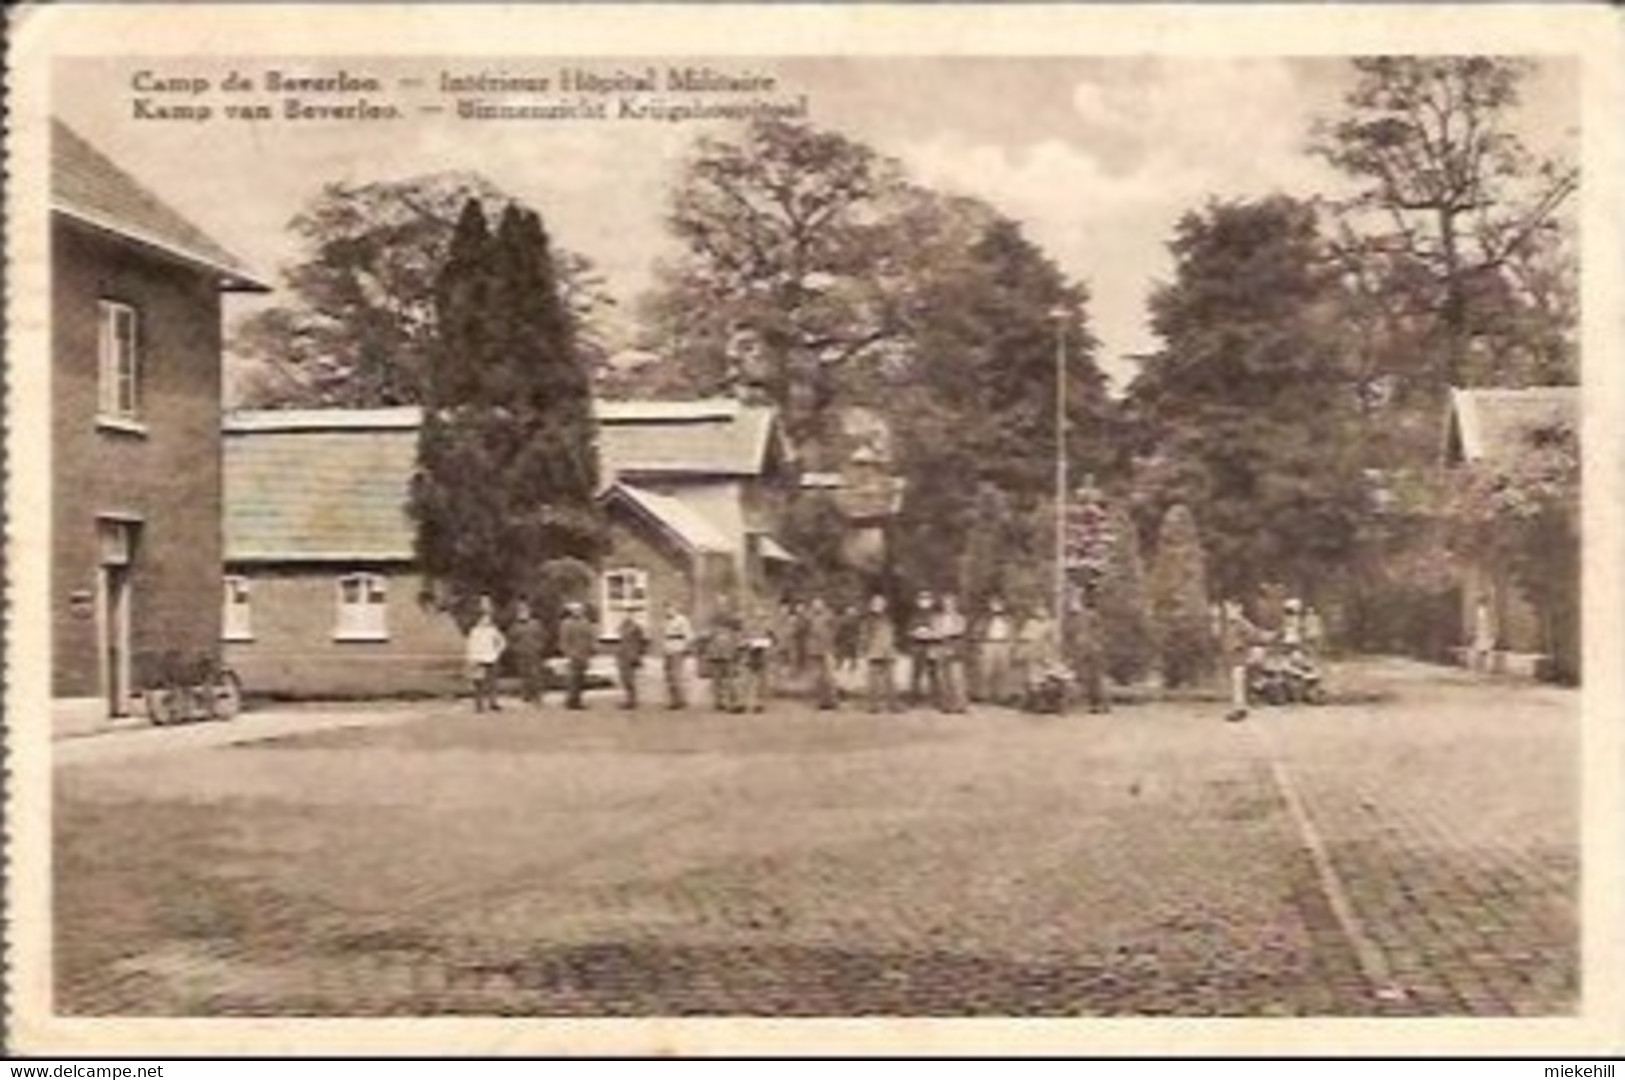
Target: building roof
x=711, y=438
x=1495, y=426
x=717, y=437
x=684, y=524
x=331, y=484
x=318, y=494
x=393, y=418
x=86, y=185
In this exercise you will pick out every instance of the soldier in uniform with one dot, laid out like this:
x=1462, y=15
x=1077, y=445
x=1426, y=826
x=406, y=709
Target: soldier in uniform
x=1242, y=644
x=629, y=649
x=722, y=657
x=525, y=642
x=878, y=646
x=948, y=651
x=821, y=652
x=577, y=640
x=1089, y=656
x=756, y=662
x=848, y=631
x=996, y=654
x=1035, y=652
x=676, y=639
x=923, y=679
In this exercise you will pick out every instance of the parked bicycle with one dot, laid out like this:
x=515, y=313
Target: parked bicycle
x=178, y=688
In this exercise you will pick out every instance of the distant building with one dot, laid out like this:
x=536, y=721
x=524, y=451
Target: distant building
x=321, y=591
x=1495, y=428
x=865, y=488
x=135, y=427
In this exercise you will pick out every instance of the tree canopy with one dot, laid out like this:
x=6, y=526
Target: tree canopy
x=359, y=323
x=1243, y=415
x=784, y=237
x=812, y=266
x=1456, y=227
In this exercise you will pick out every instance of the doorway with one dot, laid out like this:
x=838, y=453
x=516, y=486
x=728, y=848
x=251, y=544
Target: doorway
x=115, y=601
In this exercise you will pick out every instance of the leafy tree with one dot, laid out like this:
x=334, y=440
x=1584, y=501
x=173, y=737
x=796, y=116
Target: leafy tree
x=1244, y=414
x=815, y=529
x=1000, y=552
x=360, y=324
x=1123, y=603
x=973, y=400
x=783, y=239
x=507, y=460
x=1458, y=267
x=986, y=328
x=1453, y=212
x=1179, y=599
x=815, y=270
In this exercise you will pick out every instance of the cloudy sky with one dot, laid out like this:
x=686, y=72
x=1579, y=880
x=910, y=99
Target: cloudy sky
x=1096, y=157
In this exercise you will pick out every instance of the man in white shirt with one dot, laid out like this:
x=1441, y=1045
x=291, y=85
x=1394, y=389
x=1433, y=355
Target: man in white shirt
x=676, y=641
x=483, y=650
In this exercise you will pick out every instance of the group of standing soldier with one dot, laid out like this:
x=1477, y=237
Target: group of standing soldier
x=951, y=658
x=748, y=655
x=524, y=641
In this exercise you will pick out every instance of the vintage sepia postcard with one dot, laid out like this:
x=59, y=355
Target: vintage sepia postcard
x=714, y=529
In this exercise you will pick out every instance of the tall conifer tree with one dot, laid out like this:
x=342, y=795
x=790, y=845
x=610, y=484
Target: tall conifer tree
x=1121, y=599
x=1179, y=603
x=507, y=455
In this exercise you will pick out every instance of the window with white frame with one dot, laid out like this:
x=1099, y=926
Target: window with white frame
x=626, y=592
x=119, y=363
x=237, y=623
x=362, y=607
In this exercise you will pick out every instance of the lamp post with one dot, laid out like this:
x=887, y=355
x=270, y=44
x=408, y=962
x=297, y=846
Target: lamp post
x=1060, y=316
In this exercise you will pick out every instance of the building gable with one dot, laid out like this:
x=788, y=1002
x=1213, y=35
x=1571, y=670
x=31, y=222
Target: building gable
x=87, y=187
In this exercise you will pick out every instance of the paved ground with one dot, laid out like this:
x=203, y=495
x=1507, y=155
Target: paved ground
x=1410, y=856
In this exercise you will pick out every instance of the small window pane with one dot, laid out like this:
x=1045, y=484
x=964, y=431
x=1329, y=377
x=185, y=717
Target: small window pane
x=626, y=592
x=118, y=360
x=238, y=615
x=362, y=608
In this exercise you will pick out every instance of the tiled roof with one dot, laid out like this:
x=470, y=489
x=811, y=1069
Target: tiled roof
x=324, y=484
x=1496, y=425
x=337, y=494
x=86, y=185
x=693, y=530
x=724, y=438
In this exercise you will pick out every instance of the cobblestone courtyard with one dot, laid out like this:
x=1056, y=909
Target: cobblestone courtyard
x=1416, y=855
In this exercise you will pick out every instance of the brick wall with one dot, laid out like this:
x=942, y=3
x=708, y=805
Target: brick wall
x=169, y=476
x=694, y=582
x=294, y=652
x=670, y=578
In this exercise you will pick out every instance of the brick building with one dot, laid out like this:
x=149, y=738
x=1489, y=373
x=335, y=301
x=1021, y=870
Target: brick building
x=321, y=596
x=135, y=402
